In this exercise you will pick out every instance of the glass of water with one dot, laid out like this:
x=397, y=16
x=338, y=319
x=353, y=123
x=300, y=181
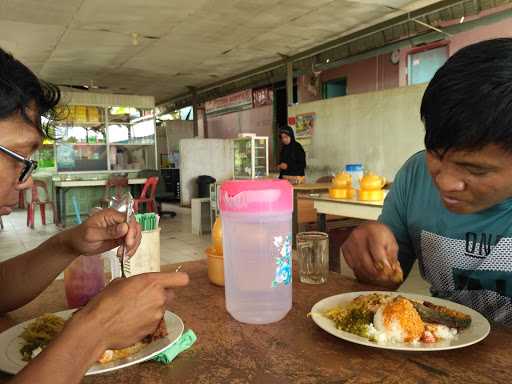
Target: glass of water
x=313, y=257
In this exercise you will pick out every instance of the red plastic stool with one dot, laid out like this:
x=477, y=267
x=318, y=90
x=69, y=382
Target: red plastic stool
x=36, y=201
x=21, y=200
x=150, y=201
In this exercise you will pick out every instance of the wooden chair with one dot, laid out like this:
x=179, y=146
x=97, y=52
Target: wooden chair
x=147, y=195
x=119, y=183
x=35, y=200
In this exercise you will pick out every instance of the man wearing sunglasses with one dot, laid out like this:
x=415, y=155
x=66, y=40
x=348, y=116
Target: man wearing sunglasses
x=125, y=311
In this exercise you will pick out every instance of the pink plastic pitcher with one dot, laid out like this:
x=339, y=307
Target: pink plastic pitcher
x=257, y=242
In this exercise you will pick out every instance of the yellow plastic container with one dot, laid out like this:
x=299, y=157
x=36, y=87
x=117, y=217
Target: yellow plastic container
x=365, y=195
x=342, y=180
x=341, y=193
x=217, y=236
x=215, y=267
x=372, y=182
x=371, y=187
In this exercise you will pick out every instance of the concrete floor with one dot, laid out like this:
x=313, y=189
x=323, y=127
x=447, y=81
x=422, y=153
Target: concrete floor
x=177, y=243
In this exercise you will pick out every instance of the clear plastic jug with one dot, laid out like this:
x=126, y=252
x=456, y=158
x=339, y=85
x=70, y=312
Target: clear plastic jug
x=257, y=241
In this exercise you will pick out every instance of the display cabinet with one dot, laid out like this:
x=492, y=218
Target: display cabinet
x=250, y=157
x=95, y=139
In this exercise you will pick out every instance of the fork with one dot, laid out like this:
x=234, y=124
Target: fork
x=125, y=263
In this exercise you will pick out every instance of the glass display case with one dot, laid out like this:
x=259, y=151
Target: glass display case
x=131, y=135
x=250, y=157
x=82, y=144
x=92, y=138
x=45, y=155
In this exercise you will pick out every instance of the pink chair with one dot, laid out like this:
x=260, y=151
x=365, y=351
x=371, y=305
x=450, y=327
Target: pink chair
x=144, y=198
x=35, y=200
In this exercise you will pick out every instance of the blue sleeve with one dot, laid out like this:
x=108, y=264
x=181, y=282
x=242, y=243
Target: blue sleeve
x=394, y=215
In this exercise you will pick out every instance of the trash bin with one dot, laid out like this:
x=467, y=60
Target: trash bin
x=203, y=185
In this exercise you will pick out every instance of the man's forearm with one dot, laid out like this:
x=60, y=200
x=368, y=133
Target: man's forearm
x=39, y=267
x=67, y=358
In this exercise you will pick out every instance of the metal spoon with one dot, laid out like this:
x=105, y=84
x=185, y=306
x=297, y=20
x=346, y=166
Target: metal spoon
x=123, y=204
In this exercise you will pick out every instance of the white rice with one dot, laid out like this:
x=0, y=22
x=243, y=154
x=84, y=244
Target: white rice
x=443, y=332
x=383, y=335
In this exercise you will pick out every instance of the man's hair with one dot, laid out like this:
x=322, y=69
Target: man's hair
x=19, y=88
x=468, y=103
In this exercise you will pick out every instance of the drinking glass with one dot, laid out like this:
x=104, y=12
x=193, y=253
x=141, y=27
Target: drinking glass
x=313, y=257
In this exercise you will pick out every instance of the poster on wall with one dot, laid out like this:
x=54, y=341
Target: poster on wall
x=262, y=96
x=305, y=124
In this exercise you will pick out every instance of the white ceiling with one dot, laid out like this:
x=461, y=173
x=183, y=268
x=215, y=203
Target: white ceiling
x=182, y=42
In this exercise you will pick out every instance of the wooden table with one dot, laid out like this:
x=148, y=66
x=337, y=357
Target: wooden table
x=293, y=350
x=63, y=186
x=304, y=189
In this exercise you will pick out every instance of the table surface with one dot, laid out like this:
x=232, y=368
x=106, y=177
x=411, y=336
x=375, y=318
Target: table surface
x=311, y=186
x=293, y=350
x=92, y=183
x=326, y=197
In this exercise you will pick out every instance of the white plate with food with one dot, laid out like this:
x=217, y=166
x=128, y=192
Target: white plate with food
x=400, y=321
x=21, y=343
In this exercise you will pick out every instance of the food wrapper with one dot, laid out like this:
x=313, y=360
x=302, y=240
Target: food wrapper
x=182, y=344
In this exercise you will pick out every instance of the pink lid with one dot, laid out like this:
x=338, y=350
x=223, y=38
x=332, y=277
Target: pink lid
x=256, y=196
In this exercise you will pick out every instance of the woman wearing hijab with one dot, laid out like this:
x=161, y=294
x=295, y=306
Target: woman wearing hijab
x=292, y=157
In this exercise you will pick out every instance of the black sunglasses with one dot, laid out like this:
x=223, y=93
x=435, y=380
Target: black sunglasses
x=30, y=165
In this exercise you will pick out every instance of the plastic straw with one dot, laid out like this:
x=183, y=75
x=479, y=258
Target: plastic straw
x=76, y=208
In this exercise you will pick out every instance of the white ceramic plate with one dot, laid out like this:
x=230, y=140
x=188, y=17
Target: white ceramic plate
x=478, y=330
x=10, y=344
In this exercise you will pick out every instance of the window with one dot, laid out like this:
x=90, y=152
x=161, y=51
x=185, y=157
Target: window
x=424, y=64
x=334, y=88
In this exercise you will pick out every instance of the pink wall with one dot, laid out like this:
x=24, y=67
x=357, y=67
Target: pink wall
x=373, y=74
x=499, y=29
x=379, y=73
x=255, y=120
x=308, y=88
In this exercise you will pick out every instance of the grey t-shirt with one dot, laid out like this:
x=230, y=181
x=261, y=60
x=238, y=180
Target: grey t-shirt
x=466, y=258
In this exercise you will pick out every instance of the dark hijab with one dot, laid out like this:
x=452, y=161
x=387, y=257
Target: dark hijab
x=293, y=155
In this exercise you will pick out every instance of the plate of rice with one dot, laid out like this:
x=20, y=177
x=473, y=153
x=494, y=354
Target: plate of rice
x=400, y=321
x=23, y=342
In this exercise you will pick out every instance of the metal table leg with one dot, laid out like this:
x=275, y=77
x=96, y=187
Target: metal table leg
x=322, y=222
